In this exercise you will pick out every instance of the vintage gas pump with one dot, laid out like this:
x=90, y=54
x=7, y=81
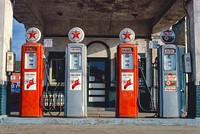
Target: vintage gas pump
x=76, y=75
x=127, y=76
x=32, y=75
x=171, y=87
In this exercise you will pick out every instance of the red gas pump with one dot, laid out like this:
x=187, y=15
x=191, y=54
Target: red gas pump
x=32, y=75
x=127, y=76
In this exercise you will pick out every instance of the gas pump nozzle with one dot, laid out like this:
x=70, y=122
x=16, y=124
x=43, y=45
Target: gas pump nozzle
x=44, y=57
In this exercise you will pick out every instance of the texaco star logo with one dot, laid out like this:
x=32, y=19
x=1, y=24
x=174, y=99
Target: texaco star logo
x=33, y=34
x=76, y=34
x=127, y=35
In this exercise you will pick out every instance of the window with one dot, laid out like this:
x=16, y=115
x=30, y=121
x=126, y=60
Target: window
x=57, y=67
x=58, y=70
x=97, y=71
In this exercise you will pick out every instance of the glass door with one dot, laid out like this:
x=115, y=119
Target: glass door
x=97, y=80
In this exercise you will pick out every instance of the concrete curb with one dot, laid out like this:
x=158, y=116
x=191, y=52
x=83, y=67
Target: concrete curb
x=2, y=117
x=100, y=121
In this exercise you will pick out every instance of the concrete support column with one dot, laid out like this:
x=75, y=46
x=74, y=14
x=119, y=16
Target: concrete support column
x=193, y=9
x=149, y=75
x=6, y=23
x=148, y=56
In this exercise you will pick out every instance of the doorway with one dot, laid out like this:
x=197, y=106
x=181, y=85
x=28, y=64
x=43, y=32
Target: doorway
x=98, y=55
x=98, y=76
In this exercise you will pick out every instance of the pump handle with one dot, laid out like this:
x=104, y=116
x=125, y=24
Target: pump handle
x=182, y=90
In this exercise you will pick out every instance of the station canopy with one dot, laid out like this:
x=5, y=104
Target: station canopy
x=99, y=17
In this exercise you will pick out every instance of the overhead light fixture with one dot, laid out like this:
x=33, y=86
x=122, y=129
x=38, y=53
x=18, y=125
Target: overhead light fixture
x=60, y=13
x=135, y=14
x=13, y=1
x=110, y=1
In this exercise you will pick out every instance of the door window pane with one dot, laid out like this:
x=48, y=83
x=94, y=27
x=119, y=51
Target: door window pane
x=58, y=70
x=97, y=71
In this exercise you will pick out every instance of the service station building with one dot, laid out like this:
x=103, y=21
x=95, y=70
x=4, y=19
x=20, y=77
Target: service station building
x=102, y=21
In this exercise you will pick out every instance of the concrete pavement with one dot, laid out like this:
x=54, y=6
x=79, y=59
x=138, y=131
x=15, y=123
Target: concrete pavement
x=96, y=129
x=99, y=121
x=99, y=117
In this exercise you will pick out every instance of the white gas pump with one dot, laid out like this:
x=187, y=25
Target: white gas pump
x=76, y=75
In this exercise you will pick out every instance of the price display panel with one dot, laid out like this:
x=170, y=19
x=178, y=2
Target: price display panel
x=30, y=60
x=75, y=61
x=127, y=61
x=169, y=59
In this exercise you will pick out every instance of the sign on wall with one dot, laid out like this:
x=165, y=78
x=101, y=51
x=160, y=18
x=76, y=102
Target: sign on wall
x=48, y=42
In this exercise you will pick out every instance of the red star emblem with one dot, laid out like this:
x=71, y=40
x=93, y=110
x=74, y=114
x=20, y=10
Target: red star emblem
x=32, y=34
x=75, y=34
x=127, y=35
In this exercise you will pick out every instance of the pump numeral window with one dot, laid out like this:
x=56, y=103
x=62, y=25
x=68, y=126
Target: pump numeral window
x=30, y=60
x=75, y=61
x=127, y=61
x=170, y=62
